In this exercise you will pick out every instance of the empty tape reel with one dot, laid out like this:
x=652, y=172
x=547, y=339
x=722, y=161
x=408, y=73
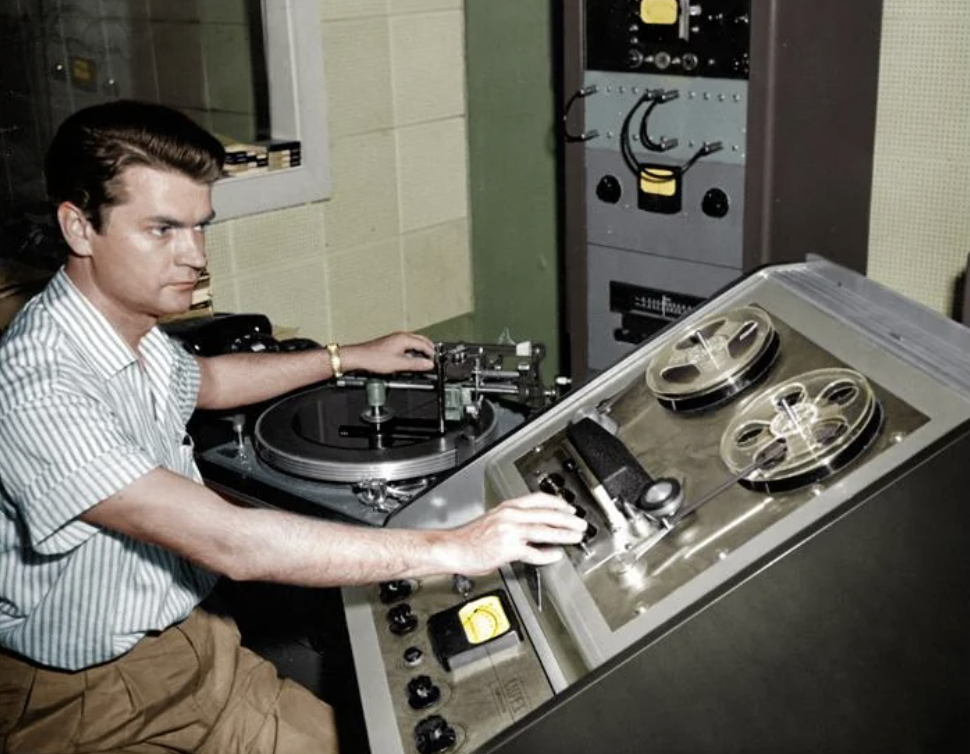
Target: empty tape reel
x=714, y=360
x=803, y=430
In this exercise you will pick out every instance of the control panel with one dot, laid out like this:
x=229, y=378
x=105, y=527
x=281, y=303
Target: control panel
x=460, y=666
x=683, y=37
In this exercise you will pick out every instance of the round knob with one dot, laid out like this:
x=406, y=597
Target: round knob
x=462, y=584
x=552, y=484
x=609, y=189
x=394, y=591
x=715, y=203
x=401, y=619
x=634, y=59
x=662, y=498
x=433, y=734
x=662, y=60
x=413, y=656
x=422, y=692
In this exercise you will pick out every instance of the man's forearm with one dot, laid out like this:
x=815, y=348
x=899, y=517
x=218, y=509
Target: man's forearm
x=240, y=379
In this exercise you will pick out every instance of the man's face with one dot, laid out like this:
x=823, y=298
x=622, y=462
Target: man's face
x=151, y=249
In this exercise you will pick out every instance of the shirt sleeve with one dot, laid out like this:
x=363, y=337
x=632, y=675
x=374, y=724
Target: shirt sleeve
x=63, y=454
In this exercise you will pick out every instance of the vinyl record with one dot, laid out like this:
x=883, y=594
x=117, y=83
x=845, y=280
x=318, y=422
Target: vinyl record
x=803, y=430
x=714, y=360
x=320, y=434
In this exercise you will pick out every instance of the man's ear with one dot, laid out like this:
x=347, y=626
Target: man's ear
x=76, y=228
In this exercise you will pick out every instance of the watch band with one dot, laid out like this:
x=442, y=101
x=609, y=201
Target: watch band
x=334, y=350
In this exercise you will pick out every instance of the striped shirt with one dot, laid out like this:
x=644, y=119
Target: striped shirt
x=81, y=418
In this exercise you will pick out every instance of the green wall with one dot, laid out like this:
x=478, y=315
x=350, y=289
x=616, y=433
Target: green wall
x=512, y=172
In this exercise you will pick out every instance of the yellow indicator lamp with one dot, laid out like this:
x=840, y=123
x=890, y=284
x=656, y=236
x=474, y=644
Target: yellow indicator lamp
x=483, y=619
x=660, y=12
x=658, y=182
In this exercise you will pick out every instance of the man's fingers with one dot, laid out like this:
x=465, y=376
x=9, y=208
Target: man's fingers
x=539, y=500
x=540, y=556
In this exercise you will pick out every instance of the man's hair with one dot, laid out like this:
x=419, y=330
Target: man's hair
x=94, y=146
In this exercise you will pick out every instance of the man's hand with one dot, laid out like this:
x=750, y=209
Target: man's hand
x=520, y=529
x=398, y=352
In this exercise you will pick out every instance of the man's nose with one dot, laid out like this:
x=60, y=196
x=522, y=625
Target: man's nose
x=192, y=251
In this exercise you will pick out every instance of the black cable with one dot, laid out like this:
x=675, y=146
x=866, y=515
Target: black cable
x=706, y=149
x=579, y=93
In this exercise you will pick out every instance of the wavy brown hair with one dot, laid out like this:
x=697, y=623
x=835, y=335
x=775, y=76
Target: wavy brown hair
x=94, y=146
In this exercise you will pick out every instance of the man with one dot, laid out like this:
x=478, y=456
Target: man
x=108, y=539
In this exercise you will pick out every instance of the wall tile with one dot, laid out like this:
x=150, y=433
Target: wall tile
x=399, y=7
x=293, y=295
x=433, y=173
x=358, y=69
x=330, y=9
x=364, y=205
x=437, y=274
x=218, y=248
x=366, y=295
x=225, y=297
x=274, y=239
x=919, y=232
x=428, y=59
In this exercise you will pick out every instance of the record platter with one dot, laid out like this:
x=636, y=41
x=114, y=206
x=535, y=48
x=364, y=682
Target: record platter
x=776, y=555
x=359, y=447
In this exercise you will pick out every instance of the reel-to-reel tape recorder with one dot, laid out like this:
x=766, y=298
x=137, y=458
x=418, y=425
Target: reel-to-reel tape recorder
x=776, y=556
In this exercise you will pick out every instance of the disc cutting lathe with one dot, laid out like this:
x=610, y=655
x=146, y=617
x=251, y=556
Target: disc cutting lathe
x=803, y=430
x=714, y=360
x=333, y=434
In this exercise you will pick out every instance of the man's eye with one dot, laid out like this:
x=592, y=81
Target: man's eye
x=161, y=230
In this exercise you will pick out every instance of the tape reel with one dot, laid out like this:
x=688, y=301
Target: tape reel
x=803, y=430
x=714, y=360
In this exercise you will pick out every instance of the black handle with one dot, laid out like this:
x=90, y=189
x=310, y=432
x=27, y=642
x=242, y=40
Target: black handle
x=610, y=460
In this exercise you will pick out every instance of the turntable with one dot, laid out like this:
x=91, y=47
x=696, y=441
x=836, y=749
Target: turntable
x=360, y=447
x=776, y=557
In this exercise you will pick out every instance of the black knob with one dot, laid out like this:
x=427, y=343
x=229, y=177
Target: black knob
x=394, y=591
x=552, y=484
x=715, y=203
x=609, y=189
x=422, y=692
x=433, y=734
x=413, y=656
x=401, y=619
x=634, y=59
x=462, y=584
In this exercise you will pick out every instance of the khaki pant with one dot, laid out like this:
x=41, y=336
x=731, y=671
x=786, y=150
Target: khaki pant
x=192, y=688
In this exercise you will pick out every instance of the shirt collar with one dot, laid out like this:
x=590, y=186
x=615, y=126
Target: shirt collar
x=88, y=328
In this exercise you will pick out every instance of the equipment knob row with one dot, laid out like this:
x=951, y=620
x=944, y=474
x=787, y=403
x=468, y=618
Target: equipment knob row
x=401, y=620
x=433, y=735
x=554, y=484
x=422, y=692
x=394, y=591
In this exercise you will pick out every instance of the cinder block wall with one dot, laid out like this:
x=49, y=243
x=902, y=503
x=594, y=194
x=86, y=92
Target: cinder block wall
x=920, y=224
x=390, y=248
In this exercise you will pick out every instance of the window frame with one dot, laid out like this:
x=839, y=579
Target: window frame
x=298, y=110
